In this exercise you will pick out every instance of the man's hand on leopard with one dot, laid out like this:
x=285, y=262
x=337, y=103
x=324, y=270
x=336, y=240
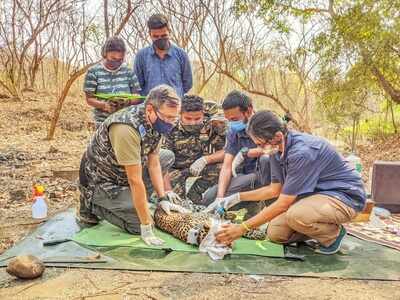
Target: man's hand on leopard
x=173, y=197
x=224, y=203
x=167, y=206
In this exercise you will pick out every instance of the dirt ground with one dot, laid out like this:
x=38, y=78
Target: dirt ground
x=27, y=158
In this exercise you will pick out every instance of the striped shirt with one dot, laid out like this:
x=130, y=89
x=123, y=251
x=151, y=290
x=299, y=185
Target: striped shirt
x=99, y=79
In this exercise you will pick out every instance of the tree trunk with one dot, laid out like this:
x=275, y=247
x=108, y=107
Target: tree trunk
x=392, y=92
x=43, y=79
x=393, y=118
x=106, y=25
x=354, y=135
x=61, y=99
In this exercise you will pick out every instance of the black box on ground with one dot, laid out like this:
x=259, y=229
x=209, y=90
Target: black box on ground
x=386, y=185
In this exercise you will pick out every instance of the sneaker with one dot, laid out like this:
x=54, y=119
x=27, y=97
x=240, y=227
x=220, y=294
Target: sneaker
x=335, y=247
x=87, y=219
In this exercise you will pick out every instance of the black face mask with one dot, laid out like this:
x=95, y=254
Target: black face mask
x=193, y=128
x=113, y=64
x=162, y=43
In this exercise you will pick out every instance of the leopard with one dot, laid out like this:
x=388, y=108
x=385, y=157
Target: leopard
x=192, y=227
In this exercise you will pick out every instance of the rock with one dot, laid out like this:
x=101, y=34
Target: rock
x=21, y=156
x=17, y=195
x=25, y=267
x=53, y=150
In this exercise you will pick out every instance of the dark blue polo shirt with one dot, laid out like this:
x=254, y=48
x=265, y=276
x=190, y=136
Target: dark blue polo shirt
x=236, y=141
x=311, y=165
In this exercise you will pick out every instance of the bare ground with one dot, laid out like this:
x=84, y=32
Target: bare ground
x=27, y=158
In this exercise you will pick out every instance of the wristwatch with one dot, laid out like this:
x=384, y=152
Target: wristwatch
x=244, y=151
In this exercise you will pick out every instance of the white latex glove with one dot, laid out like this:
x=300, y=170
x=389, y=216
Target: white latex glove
x=237, y=161
x=168, y=207
x=147, y=235
x=226, y=203
x=173, y=197
x=198, y=166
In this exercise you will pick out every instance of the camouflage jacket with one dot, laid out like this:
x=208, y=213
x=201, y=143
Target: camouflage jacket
x=189, y=146
x=100, y=164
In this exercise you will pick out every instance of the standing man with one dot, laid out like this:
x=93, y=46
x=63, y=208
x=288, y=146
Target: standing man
x=197, y=142
x=317, y=190
x=110, y=76
x=162, y=62
x=241, y=156
x=121, y=165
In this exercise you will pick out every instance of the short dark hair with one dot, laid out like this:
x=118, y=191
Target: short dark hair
x=264, y=124
x=192, y=103
x=157, y=21
x=237, y=99
x=113, y=44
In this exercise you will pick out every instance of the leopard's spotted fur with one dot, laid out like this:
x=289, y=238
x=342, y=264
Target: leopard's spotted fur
x=179, y=224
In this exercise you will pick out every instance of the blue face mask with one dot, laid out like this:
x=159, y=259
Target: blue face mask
x=237, y=125
x=162, y=127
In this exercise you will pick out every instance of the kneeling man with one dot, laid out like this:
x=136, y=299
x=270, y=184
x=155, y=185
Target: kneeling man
x=197, y=142
x=121, y=165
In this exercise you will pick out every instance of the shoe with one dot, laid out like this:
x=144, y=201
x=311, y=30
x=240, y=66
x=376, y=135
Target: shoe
x=87, y=219
x=335, y=247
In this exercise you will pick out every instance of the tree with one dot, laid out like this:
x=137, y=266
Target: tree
x=345, y=100
x=79, y=33
x=23, y=25
x=363, y=30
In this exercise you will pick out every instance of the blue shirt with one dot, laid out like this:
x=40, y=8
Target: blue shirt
x=311, y=165
x=236, y=141
x=99, y=79
x=174, y=69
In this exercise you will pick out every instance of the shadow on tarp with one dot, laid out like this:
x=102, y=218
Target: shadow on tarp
x=363, y=261
x=108, y=235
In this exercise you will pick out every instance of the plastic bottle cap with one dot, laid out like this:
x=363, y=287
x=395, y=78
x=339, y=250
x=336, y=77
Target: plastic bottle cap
x=39, y=189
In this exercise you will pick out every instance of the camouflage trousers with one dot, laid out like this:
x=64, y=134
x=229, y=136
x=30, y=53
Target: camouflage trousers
x=208, y=177
x=120, y=211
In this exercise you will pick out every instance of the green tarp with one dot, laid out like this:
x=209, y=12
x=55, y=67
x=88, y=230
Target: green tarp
x=362, y=260
x=107, y=235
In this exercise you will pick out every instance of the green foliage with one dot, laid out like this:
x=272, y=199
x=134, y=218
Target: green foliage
x=373, y=126
x=342, y=99
x=356, y=40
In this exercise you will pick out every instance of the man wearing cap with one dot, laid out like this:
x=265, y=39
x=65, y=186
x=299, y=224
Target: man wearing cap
x=162, y=62
x=197, y=142
x=123, y=164
x=110, y=76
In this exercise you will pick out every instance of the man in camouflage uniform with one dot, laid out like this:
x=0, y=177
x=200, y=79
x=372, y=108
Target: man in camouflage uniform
x=123, y=164
x=197, y=142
